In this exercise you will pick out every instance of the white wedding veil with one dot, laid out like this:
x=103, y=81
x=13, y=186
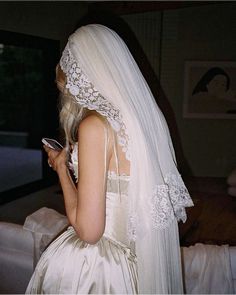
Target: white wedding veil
x=103, y=76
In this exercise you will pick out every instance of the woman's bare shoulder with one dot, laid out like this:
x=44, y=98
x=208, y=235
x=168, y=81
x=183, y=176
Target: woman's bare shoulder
x=93, y=119
x=92, y=123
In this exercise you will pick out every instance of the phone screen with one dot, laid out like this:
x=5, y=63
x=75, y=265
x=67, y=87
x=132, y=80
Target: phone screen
x=52, y=143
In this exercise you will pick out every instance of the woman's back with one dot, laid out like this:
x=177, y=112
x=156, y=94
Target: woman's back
x=117, y=185
x=108, y=266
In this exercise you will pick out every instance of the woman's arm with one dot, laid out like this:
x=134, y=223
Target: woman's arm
x=85, y=205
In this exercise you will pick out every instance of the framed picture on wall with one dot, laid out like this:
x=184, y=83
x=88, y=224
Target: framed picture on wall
x=210, y=89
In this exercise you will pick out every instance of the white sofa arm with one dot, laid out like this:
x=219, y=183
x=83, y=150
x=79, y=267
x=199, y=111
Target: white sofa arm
x=232, y=251
x=16, y=258
x=232, y=191
x=209, y=269
x=14, y=237
x=21, y=247
x=231, y=179
x=44, y=225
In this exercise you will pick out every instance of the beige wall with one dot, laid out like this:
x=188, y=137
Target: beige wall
x=49, y=19
x=204, y=33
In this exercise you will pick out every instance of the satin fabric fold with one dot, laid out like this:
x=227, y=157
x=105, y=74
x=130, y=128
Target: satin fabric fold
x=79, y=268
x=71, y=266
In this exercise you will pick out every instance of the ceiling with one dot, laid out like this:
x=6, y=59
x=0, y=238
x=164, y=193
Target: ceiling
x=129, y=7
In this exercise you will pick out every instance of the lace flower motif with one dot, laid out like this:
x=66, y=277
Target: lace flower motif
x=73, y=164
x=88, y=96
x=169, y=201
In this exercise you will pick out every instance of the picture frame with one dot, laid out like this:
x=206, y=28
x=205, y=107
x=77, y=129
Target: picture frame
x=209, y=89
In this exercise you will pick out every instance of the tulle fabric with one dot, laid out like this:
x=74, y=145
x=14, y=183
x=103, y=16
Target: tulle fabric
x=107, y=62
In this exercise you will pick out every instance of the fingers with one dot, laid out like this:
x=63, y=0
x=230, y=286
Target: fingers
x=55, y=158
x=48, y=150
x=52, y=154
x=49, y=163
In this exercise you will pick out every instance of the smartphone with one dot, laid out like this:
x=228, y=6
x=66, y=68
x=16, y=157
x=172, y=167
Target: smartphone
x=52, y=144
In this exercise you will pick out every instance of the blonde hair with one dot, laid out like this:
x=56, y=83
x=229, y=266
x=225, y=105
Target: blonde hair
x=71, y=114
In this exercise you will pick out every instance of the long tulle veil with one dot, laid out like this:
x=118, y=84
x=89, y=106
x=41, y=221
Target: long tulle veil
x=158, y=196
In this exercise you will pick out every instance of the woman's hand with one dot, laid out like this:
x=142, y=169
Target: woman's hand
x=56, y=159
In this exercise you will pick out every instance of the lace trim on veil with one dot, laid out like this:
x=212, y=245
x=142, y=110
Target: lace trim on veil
x=168, y=200
x=88, y=96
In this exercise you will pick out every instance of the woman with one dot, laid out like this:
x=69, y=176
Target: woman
x=212, y=93
x=223, y=85
x=124, y=210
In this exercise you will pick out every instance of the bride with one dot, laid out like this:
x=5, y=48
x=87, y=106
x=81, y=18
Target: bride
x=129, y=195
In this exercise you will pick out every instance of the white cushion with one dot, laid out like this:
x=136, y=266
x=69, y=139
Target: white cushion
x=44, y=224
x=232, y=191
x=14, y=237
x=207, y=269
x=232, y=251
x=16, y=268
x=16, y=258
x=231, y=180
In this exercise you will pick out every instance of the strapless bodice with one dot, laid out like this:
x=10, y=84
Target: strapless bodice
x=117, y=208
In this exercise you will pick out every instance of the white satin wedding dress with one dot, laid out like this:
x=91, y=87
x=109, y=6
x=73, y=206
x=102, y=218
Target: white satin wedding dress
x=71, y=266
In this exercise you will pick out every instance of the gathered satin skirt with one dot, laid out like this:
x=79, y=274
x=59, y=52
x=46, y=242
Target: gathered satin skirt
x=71, y=266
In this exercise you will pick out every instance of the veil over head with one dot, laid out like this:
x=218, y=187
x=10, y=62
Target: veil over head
x=103, y=76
